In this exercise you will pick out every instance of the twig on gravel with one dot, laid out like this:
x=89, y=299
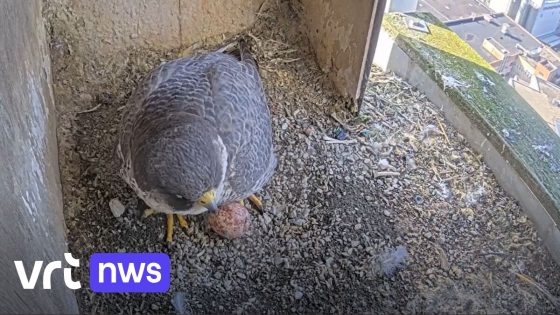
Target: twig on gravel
x=285, y=60
x=336, y=141
x=443, y=131
x=255, y=38
x=90, y=110
x=338, y=120
x=387, y=173
x=227, y=47
x=554, y=300
x=261, y=7
x=287, y=51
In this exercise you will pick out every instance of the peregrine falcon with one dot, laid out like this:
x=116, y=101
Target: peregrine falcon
x=197, y=134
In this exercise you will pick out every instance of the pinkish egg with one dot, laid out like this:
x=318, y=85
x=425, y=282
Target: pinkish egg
x=230, y=221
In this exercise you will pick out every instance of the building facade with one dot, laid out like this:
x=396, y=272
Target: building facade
x=508, y=47
x=539, y=17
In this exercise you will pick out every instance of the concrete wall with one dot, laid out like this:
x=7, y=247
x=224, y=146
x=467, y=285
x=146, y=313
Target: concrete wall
x=499, y=6
x=31, y=223
x=343, y=37
x=104, y=28
x=401, y=6
x=546, y=22
x=339, y=33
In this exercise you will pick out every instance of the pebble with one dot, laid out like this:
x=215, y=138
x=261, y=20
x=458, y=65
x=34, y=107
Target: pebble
x=86, y=97
x=457, y=271
x=387, y=213
x=278, y=261
x=154, y=307
x=117, y=208
x=428, y=131
x=178, y=302
x=266, y=219
x=383, y=164
x=410, y=163
x=298, y=295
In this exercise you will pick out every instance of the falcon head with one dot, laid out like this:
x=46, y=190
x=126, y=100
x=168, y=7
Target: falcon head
x=182, y=164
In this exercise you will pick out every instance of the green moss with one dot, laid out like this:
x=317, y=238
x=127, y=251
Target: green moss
x=485, y=97
x=440, y=37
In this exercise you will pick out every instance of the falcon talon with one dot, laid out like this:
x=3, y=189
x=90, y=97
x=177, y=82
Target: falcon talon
x=257, y=203
x=169, y=245
x=148, y=212
x=183, y=223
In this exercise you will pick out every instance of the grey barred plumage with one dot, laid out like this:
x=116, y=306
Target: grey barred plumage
x=196, y=125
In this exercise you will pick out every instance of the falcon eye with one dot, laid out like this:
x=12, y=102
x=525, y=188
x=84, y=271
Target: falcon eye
x=207, y=197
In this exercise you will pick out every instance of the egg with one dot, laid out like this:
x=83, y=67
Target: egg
x=230, y=221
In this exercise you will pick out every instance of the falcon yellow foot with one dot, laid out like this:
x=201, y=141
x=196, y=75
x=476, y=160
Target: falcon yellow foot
x=256, y=202
x=169, y=232
x=182, y=221
x=170, y=222
x=148, y=212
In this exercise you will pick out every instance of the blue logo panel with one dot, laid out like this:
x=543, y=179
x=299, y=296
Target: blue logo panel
x=129, y=272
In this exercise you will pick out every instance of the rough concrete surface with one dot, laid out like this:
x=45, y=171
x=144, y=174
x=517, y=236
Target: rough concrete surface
x=106, y=28
x=338, y=33
x=31, y=224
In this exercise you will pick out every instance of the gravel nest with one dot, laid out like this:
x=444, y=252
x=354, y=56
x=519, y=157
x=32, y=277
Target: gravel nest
x=399, y=217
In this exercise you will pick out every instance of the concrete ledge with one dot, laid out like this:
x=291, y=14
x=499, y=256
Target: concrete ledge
x=341, y=39
x=516, y=143
x=31, y=223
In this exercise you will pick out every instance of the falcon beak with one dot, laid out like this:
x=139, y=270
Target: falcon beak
x=212, y=207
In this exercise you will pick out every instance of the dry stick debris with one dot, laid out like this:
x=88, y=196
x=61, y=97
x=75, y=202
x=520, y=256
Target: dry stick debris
x=386, y=173
x=91, y=110
x=554, y=300
x=330, y=140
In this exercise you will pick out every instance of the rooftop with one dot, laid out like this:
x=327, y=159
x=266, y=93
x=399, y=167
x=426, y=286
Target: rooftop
x=541, y=100
x=549, y=88
x=552, y=40
x=548, y=65
x=447, y=10
x=548, y=58
x=475, y=30
x=551, y=55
